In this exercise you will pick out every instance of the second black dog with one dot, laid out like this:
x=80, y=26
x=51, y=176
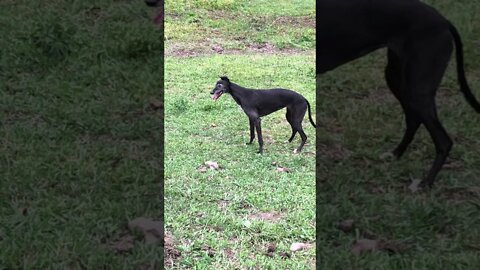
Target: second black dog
x=257, y=103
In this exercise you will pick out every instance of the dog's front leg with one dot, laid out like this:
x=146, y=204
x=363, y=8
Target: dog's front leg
x=257, y=123
x=252, y=130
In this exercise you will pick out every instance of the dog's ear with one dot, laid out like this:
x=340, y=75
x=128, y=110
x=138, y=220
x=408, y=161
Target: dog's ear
x=225, y=78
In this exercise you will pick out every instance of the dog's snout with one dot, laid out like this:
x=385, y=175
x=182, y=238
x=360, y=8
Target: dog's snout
x=212, y=92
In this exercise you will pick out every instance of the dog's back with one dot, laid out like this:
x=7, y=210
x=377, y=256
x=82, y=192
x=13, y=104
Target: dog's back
x=352, y=29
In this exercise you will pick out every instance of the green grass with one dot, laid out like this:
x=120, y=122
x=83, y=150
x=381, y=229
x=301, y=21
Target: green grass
x=359, y=121
x=80, y=147
x=213, y=211
x=196, y=28
x=199, y=129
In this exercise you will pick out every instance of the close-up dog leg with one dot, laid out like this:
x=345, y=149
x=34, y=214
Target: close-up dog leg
x=421, y=90
x=290, y=121
x=393, y=76
x=257, y=122
x=252, y=131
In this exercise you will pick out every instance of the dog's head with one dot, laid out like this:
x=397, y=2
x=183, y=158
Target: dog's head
x=222, y=86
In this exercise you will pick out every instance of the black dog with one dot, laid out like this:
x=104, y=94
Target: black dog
x=420, y=43
x=257, y=103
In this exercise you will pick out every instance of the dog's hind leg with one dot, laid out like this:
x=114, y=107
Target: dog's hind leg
x=424, y=73
x=290, y=121
x=394, y=74
x=297, y=115
x=257, y=124
x=252, y=130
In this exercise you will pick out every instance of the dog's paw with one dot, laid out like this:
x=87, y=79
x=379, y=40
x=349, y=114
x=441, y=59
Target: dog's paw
x=296, y=151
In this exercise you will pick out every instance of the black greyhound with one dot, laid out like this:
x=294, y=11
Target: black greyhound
x=419, y=42
x=257, y=103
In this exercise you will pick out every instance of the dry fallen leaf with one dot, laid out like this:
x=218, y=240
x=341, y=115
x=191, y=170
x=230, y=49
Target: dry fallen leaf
x=283, y=169
x=213, y=125
x=212, y=165
x=202, y=169
x=414, y=185
x=300, y=246
x=152, y=230
x=346, y=225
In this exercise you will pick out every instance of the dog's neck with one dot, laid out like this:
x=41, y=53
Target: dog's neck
x=238, y=93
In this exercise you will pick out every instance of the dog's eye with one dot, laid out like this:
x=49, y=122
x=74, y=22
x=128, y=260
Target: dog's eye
x=219, y=85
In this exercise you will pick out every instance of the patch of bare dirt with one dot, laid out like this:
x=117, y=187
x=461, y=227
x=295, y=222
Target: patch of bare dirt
x=334, y=152
x=267, y=216
x=458, y=195
x=172, y=254
x=295, y=21
x=361, y=246
x=179, y=49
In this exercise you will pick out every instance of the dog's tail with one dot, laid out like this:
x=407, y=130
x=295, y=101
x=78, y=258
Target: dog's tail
x=310, y=114
x=467, y=93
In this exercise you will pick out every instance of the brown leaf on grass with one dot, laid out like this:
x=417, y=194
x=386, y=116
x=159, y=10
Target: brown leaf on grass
x=156, y=104
x=414, y=186
x=300, y=246
x=213, y=125
x=267, y=216
x=212, y=165
x=152, y=230
x=368, y=245
x=283, y=169
x=346, y=226
x=123, y=243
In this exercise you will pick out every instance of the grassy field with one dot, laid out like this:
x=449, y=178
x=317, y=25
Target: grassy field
x=80, y=144
x=359, y=121
x=246, y=214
